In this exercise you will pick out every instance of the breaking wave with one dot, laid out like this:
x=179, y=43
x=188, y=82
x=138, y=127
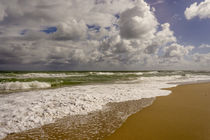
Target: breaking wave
x=41, y=75
x=26, y=110
x=23, y=85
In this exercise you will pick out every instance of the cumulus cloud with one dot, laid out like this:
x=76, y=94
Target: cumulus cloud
x=201, y=10
x=2, y=12
x=162, y=38
x=201, y=61
x=138, y=22
x=176, y=51
x=157, y=2
x=204, y=46
x=70, y=30
x=89, y=34
x=202, y=58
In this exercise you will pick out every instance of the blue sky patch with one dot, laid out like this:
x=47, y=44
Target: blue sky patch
x=94, y=27
x=23, y=32
x=49, y=30
x=190, y=32
x=108, y=28
x=116, y=26
x=117, y=16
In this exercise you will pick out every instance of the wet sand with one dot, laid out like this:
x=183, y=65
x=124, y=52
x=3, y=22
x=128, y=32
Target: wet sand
x=183, y=115
x=95, y=125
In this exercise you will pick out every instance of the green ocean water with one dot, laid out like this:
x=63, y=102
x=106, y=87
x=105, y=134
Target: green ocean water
x=61, y=79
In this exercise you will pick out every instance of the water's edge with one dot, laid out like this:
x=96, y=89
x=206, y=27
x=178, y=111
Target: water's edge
x=39, y=108
x=94, y=125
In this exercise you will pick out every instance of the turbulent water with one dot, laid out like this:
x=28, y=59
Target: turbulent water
x=29, y=105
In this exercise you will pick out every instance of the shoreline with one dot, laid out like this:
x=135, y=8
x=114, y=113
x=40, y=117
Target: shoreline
x=94, y=125
x=97, y=124
x=39, y=108
x=184, y=114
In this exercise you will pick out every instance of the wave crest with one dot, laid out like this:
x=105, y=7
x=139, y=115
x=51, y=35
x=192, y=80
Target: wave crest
x=23, y=85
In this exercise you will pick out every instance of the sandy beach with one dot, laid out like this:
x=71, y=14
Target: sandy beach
x=183, y=115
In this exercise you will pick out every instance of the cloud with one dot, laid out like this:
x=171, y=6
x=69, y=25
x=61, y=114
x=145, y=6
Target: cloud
x=70, y=30
x=202, y=60
x=201, y=10
x=2, y=13
x=176, y=51
x=162, y=38
x=90, y=34
x=157, y=2
x=202, y=46
x=138, y=22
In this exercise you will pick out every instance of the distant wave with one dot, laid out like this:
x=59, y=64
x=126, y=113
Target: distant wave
x=23, y=85
x=41, y=75
x=116, y=73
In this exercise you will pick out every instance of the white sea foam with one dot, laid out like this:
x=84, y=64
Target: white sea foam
x=136, y=73
x=102, y=73
x=115, y=73
x=151, y=72
x=26, y=110
x=139, y=73
x=48, y=75
x=42, y=75
x=61, y=75
x=23, y=85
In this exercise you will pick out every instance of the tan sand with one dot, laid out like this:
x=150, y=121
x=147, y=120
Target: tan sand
x=183, y=115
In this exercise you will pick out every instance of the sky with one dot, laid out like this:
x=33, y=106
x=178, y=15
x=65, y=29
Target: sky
x=105, y=35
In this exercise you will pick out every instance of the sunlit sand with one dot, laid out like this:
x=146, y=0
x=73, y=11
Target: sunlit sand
x=183, y=115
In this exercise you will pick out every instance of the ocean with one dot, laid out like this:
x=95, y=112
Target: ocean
x=32, y=99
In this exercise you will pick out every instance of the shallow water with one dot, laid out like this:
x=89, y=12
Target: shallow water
x=13, y=81
x=22, y=111
x=95, y=125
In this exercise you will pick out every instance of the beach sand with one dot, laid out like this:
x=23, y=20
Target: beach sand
x=183, y=115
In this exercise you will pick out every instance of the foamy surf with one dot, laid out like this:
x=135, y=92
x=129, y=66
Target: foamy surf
x=42, y=75
x=23, y=85
x=26, y=110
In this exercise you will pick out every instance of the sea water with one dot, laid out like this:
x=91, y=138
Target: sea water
x=26, y=110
